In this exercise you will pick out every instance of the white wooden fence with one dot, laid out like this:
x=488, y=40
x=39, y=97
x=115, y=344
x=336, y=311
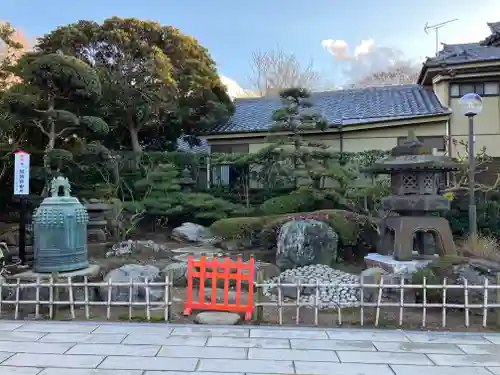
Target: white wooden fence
x=58, y=286
x=61, y=292
x=488, y=290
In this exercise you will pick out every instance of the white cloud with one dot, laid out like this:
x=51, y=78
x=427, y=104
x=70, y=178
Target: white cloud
x=338, y=48
x=364, y=48
x=366, y=58
x=413, y=46
x=234, y=90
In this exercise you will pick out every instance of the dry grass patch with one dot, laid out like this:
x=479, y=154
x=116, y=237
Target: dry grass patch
x=482, y=247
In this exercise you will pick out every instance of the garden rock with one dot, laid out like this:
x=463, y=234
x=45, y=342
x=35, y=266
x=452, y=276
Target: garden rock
x=137, y=273
x=305, y=242
x=178, y=271
x=6, y=292
x=269, y=270
x=371, y=276
x=191, y=232
x=292, y=291
x=132, y=247
x=217, y=317
x=475, y=275
x=219, y=296
x=197, y=250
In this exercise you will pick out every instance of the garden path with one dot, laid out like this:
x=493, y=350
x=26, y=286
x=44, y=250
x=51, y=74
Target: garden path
x=85, y=348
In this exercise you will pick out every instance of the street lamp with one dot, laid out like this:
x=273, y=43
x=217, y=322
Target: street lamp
x=471, y=105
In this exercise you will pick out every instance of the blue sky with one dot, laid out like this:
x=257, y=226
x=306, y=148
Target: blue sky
x=232, y=30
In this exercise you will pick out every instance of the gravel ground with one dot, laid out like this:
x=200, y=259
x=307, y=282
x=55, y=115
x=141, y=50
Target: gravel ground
x=330, y=296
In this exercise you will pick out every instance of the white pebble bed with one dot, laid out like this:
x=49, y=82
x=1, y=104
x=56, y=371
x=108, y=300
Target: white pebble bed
x=331, y=296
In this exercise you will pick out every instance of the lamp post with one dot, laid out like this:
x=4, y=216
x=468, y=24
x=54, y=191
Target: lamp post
x=471, y=105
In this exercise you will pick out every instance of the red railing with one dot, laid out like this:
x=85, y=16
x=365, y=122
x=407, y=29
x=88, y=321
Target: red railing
x=226, y=270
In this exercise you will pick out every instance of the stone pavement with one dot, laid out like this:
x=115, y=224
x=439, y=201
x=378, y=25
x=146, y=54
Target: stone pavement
x=81, y=348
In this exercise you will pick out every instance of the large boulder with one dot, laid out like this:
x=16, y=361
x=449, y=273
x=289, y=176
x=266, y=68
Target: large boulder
x=137, y=273
x=304, y=242
x=476, y=271
x=457, y=269
x=357, y=234
x=178, y=271
x=191, y=232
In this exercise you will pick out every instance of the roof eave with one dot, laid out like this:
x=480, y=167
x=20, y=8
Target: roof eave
x=439, y=67
x=490, y=39
x=336, y=126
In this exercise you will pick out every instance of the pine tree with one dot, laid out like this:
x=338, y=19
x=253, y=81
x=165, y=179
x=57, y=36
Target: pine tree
x=162, y=196
x=160, y=191
x=311, y=162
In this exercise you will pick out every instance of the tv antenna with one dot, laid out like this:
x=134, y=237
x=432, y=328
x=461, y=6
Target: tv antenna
x=436, y=28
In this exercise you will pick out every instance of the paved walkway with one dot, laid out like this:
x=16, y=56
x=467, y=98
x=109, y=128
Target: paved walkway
x=52, y=348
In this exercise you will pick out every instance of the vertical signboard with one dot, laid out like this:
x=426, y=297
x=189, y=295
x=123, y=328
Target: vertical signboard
x=21, y=173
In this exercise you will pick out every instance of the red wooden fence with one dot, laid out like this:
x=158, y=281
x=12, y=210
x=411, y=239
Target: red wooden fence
x=215, y=270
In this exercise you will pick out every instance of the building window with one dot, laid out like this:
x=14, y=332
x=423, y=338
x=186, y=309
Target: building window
x=228, y=175
x=221, y=175
x=467, y=88
x=491, y=88
x=458, y=90
x=434, y=142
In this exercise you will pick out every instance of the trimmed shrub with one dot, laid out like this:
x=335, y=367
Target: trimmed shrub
x=294, y=202
x=239, y=228
x=357, y=234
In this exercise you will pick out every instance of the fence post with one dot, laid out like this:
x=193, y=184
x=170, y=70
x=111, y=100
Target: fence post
x=168, y=294
x=497, y=311
x=55, y=294
x=259, y=297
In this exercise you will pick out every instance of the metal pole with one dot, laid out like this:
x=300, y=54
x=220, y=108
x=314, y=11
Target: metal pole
x=437, y=42
x=472, y=175
x=22, y=230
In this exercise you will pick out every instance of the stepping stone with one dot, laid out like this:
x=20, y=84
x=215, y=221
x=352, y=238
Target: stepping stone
x=217, y=317
x=196, y=250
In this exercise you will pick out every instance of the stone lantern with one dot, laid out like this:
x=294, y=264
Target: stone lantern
x=186, y=181
x=416, y=177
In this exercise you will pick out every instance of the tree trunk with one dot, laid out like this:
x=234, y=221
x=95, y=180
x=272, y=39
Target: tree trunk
x=51, y=144
x=136, y=146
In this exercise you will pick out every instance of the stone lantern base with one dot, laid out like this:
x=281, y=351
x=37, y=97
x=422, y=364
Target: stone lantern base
x=395, y=267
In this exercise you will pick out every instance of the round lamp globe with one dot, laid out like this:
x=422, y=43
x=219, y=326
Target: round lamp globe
x=471, y=104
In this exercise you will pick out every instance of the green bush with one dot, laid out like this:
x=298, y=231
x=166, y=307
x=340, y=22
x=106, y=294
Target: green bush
x=240, y=229
x=256, y=196
x=488, y=217
x=434, y=273
x=294, y=202
x=345, y=228
x=357, y=234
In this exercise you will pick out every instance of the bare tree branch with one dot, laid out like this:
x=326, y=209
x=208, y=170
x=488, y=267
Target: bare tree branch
x=39, y=125
x=461, y=182
x=68, y=129
x=398, y=75
x=276, y=70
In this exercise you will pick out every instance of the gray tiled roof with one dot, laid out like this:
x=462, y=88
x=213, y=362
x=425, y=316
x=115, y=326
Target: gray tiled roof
x=495, y=34
x=463, y=53
x=182, y=145
x=494, y=27
x=346, y=107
